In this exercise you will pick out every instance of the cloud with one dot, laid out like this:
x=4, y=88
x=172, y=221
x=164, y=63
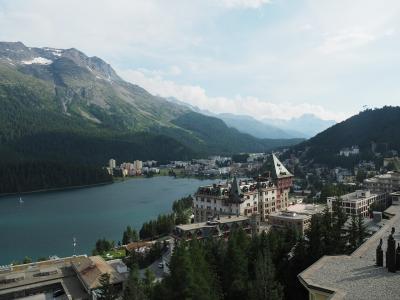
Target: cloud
x=253, y=106
x=244, y=3
x=336, y=55
x=345, y=40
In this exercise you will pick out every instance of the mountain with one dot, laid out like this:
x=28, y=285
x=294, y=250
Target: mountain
x=246, y=124
x=254, y=127
x=372, y=126
x=307, y=125
x=61, y=105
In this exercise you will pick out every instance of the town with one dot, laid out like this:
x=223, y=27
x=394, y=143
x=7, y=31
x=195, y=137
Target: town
x=272, y=201
x=215, y=166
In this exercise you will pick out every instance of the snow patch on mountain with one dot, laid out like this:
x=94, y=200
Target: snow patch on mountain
x=38, y=61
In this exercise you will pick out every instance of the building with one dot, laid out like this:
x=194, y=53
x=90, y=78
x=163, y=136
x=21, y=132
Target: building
x=354, y=150
x=75, y=276
x=259, y=196
x=284, y=219
x=112, y=163
x=220, y=227
x=356, y=276
x=89, y=271
x=239, y=197
x=137, y=166
x=297, y=216
x=359, y=202
x=283, y=180
x=385, y=183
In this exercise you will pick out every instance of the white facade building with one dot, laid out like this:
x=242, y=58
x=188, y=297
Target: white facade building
x=112, y=163
x=354, y=150
x=386, y=183
x=359, y=202
x=260, y=196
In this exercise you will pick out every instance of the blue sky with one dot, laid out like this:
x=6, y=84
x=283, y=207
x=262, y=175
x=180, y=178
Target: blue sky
x=265, y=58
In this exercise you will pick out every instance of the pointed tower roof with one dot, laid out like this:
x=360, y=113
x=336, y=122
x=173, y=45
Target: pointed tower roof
x=280, y=169
x=235, y=190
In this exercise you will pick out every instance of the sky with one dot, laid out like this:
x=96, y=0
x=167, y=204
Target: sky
x=264, y=58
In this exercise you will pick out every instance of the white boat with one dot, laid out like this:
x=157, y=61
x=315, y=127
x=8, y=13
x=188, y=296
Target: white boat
x=21, y=201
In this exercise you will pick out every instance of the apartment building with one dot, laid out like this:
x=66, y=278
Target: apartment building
x=359, y=202
x=385, y=183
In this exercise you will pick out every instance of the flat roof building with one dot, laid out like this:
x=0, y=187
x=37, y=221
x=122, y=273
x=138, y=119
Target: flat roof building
x=356, y=276
x=360, y=202
x=77, y=276
x=297, y=216
x=385, y=183
x=216, y=228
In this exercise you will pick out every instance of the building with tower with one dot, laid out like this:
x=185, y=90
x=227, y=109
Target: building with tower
x=283, y=180
x=259, y=196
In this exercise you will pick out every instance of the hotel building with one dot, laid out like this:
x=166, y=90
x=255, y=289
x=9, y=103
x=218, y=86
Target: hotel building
x=259, y=196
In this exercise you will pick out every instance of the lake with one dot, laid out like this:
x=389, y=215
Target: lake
x=45, y=223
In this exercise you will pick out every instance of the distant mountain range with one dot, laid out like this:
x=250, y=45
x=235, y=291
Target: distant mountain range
x=59, y=104
x=308, y=125
x=305, y=126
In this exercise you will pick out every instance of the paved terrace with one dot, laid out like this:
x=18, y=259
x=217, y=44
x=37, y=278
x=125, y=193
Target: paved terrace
x=356, y=276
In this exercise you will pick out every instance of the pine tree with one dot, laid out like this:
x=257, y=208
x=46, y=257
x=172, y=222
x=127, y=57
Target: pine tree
x=314, y=236
x=180, y=283
x=236, y=266
x=106, y=291
x=339, y=218
x=205, y=280
x=134, y=289
x=265, y=287
x=129, y=235
x=353, y=234
x=148, y=283
x=361, y=230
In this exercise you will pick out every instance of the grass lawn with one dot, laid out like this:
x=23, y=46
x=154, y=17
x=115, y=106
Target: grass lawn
x=114, y=254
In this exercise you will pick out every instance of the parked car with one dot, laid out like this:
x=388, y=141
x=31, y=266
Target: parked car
x=58, y=293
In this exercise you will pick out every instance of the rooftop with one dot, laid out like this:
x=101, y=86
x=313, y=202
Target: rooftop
x=222, y=220
x=355, y=276
x=357, y=195
x=304, y=208
x=33, y=275
x=91, y=268
x=289, y=215
x=280, y=170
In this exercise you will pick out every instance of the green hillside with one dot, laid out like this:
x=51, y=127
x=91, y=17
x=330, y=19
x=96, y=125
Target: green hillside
x=372, y=126
x=93, y=114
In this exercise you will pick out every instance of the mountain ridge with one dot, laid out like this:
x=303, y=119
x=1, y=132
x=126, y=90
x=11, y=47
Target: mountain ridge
x=63, y=92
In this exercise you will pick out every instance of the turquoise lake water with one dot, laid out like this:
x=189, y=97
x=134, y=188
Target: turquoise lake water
x=46, y=223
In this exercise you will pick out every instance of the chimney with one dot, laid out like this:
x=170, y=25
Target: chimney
x=379, y=255
x=398, y=257
x=391, y=253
